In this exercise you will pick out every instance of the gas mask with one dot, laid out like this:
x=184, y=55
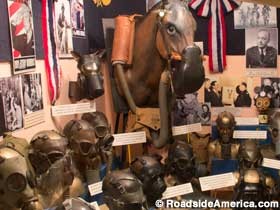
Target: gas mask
x=188, y=74
x=46, y=147
x=180, y=162
x=275, y=132
x=102, y=129
x=225, y=125
x=75, y=204
x=250, y=156
x=90, y=81
x=75, y=126
x=123, y=191
x=150, y=172
x=16, y=181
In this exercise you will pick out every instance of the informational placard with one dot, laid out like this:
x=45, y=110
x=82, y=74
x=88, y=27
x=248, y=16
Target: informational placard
x=178, y=190
x=129, y=138
x=69, y=109
x=271, y=163
x=249, y=134
x=184, y=129
x=34, y=118
x=261, y=72
x=216, y=181
x=95, y=189
x=217, y=110
x=247, y=120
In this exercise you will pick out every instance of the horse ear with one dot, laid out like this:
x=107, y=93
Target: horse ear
x=76, y=55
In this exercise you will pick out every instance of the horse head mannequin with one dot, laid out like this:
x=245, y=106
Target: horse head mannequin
x=164, y=34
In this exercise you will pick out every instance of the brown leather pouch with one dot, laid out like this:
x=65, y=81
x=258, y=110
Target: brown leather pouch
x=145, y=119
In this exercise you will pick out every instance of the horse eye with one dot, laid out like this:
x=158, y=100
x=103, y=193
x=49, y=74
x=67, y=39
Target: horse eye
x=171, y=30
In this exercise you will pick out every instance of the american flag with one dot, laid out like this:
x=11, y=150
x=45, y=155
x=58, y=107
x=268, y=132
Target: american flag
x=215, y=10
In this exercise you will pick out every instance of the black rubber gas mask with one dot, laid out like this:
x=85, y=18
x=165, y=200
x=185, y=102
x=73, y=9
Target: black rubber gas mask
x=180, y=162
x=123, y=191
x=188, y=74
x=90, y=81
x=150, y=172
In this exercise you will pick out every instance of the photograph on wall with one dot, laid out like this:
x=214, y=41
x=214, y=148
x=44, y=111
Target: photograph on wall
x=63, y=28
x=228, y=91
x=261, y=48
x=12, y=104
x=189, y=110
x=250, y=15
x=272, y=87
x=32, y=99
x=78, y=18
x=22, y=35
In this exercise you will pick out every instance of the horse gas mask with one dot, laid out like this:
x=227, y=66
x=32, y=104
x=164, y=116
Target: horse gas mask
x=150, y=172
x=16, y=182
x=181, y=162
x=90, y=80
x=186, y=60
x=123, y=191
x=275, y=132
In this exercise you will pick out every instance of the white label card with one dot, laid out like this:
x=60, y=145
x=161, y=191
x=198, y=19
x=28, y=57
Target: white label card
x=237, y=134
x=129, y=138
x=247, y=120
x=95, y=188
x=69, y=109
x=271, y=163
x=184, y=129
x=178, y=190
x=216, y=181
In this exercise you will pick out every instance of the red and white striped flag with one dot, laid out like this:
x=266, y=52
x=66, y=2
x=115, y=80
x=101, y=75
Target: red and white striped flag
x=53, y=69
x=215, y=10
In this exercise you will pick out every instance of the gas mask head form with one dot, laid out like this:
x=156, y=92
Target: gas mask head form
x=225, y=125
x=75, y=126
x=90, y=78
x=16, y=181
x=249, y=155
x=275, y=132
x=123, y=191
x=180, y=162
x=102, y=129
x=150, y=172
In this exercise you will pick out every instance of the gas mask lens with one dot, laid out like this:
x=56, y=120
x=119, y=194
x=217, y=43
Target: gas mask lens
x=86, y=147
x=101, y=131
x=274, y=132
x=16, y=182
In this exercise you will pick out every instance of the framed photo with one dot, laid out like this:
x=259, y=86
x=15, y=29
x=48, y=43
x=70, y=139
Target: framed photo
x=22, y=35
x=63, y=28
x=78, y=18
x=250, y=15
x=272, y=86
x=12, y=103
x=261, y=48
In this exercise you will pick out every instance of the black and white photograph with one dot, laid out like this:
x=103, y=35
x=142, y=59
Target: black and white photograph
x=261, y=48
x=22, y=35
x=189, y=111
x=12, y=104
x=78, y=18
x=272, y=87
x=250, y=15
x=32, y=93
x=64, y=28
x=228, y=91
